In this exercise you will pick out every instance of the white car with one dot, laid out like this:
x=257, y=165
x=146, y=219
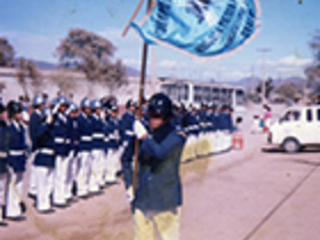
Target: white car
x=298, y=127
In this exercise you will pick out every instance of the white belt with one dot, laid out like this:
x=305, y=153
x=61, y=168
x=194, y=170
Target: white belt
x=59, y=140
x=98, y=135
x=68, y=141
x=106, y=139
x=86, y=138
x=112, y=136
x=46, y=151
x=130, y=133
x=16, y=152
x=3, y=155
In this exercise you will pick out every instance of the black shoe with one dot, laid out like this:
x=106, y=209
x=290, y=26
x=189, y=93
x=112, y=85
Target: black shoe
x=32, y=196
x=119, y=173
x=72, y=200
x=84, y=197
x=17, y=219
x=48, y=211
x=61, y=205
x=3, y=224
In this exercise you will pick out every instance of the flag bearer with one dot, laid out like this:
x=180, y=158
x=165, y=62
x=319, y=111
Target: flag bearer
x=36, y=119
x=61, y=139
x=158, y=196
x=4, y=137
x=98, y=134
x=17, y=161
x=85, y=129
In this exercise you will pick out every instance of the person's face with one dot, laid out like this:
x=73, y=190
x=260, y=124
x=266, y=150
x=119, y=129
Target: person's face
x=113, y=114
x=2, y=116
x=155, y=121
x=17, y=117
x=98, y=111
x=41, y=107
x=73, y=114
x=63, y=108
x=87, y=111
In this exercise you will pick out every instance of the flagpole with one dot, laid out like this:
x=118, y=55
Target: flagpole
x=133, y=17
x=141, y=93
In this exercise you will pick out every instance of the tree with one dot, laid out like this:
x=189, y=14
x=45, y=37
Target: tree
x=268, y=87
x=65, y=81
x=313, y=70
x=91, y=54
x=28, y=70
x=288, y=91
x=6, y=53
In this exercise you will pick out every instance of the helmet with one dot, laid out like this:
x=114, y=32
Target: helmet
x=13, y=108
x=95, y=104
x=37, y=101
x=85, y=103
x=72, y=107
x=62, y=100
x=130, y=103
x=2, y=107
x=160, y=104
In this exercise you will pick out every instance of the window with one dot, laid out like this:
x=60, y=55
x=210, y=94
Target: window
x=293, y=115
x=318, y=114
x=309, y=115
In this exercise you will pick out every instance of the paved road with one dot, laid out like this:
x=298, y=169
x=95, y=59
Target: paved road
x=241, y=195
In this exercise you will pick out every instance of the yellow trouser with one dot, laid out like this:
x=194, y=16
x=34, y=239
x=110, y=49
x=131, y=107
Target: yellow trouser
x=166, y=223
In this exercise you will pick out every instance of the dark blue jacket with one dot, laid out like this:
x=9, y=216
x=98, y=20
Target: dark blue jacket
x=61, y=132
x=159, y=185
x=4, y=145
x=85, y=130
x=45, y=141
x=74, y=135
x=126, y=126
x=113, y=133
x=192, y=126
x=35, y=121
x=98, y=132
x=17, y=147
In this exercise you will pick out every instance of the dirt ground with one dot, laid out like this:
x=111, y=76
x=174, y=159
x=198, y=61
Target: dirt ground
x=239, y=195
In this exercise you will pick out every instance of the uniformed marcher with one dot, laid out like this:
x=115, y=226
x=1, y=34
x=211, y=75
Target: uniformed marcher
x=36, y=119
x=17, y=161
x=98, y=134
x=4, y=144
x=61, y=140
x=158, y=196
x=44, y=163
x=113, y=145
x=85, y=130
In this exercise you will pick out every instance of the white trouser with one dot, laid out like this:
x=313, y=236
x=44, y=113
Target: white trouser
x=96, y=171
x=14, y=194
x=60, y=180
x=214, y=140
x=83, y=175
x=112, y=165
x=3, y=188
x=72, y=170
x=32, y=179
x=44, y=179
x=219, y=141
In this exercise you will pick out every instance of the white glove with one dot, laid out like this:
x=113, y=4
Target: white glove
x=49, y=119
x=139, y=130
x=129, y=194
x=56, y=108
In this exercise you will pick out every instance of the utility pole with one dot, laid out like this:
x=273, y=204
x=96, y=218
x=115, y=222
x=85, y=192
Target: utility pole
x=263, y=85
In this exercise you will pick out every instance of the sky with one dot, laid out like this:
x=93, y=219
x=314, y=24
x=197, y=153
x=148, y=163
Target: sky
x=36, y=27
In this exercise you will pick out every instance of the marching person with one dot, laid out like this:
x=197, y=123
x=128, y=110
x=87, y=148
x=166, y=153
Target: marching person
x=113, y=144
x=158, y=196
x=85, y=130
x=17, y=161
x=72, y=167
x=36, y=118
x=4, y=137
x=44, y=163
x=98, y=134
x=60, y=130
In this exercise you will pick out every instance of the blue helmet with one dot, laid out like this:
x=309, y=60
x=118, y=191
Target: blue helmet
x=160, y=104
x=85, y=103
x=96, y=104
x=62, y=100
x=37, y=101
x=13, y=108
x=130, y=103
x=73, y=107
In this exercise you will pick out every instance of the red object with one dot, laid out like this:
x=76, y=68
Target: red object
x=237, y=140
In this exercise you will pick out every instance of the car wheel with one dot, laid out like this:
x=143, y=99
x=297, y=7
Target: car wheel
x=291, y=145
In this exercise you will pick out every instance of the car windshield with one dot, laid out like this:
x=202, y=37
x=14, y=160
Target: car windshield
x=292, y=115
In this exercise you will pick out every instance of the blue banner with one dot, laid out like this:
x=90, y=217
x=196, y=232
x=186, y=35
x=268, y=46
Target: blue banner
x=200, y=27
